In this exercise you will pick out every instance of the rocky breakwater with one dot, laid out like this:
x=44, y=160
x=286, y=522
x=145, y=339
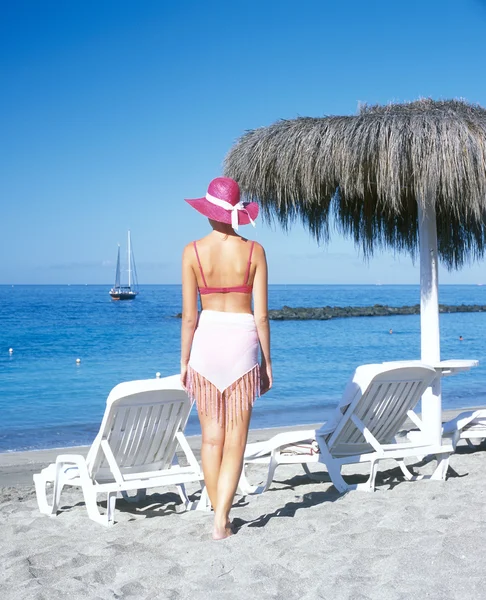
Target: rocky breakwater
x=287, y=313
x=324, y=313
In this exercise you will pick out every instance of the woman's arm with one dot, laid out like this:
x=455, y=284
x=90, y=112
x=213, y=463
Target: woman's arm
x=260, y=310
x=189, y=310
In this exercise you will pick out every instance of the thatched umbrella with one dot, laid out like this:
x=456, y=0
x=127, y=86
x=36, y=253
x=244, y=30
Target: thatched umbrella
x=403, y=176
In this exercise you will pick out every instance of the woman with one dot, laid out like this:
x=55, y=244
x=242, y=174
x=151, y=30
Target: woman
x=219, y=352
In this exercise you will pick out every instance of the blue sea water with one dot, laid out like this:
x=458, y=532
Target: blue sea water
x=47, y=400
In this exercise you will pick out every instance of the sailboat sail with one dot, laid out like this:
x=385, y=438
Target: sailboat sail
x=132, y=269
x=117, y=273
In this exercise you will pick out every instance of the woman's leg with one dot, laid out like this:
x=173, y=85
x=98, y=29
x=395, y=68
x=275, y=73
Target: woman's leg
x=213, y=436
x=231, y=465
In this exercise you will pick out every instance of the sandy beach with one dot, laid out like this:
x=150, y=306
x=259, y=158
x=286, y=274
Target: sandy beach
x=300, y=540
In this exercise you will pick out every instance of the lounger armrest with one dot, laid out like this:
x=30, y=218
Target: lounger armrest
x=79, y=466
x=75, y=459
x=269, y=447
x=462, y=420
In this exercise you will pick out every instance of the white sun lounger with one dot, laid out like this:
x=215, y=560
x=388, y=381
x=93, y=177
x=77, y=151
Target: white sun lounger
x=375, y=404
x=135, y=449
x=469, y=425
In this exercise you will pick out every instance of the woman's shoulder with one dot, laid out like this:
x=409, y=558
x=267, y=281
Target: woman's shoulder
x=198, y=246
x=257, y=247
x=188, y=250
x=199, y=242
x=249, y=242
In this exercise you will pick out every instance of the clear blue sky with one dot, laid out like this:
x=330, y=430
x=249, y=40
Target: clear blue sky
x=111, y=112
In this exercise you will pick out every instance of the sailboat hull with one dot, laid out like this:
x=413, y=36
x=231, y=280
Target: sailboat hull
x=123, y=294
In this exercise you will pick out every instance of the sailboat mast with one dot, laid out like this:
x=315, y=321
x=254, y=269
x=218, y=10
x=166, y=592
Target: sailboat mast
x=129, y=261
x=117, y=272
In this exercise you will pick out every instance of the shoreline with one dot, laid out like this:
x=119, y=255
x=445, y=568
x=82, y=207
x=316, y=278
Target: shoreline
x=17, y=467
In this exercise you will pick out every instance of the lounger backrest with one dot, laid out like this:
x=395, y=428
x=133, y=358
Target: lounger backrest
x=140, y=424
x=381, y=404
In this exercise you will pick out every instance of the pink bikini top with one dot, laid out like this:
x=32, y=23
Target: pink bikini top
x=243, y=289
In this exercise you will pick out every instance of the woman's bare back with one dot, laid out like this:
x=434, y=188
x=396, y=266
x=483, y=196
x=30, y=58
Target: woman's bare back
x=224, y=262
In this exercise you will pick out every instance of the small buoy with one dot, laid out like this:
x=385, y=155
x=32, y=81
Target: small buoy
x=78, y=360
x=157, y=375
x=10, y=350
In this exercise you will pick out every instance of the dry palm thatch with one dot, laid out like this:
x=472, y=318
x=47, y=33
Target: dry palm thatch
x=369, y=171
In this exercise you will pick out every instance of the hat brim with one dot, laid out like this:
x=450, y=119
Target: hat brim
x=216, y=213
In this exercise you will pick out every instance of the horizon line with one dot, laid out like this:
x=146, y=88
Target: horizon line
x=270, y=284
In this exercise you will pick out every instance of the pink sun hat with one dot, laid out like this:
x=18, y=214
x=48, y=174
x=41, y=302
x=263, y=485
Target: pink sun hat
x=222, y=203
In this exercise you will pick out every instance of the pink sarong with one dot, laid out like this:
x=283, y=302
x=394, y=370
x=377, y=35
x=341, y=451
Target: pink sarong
x=223, y=375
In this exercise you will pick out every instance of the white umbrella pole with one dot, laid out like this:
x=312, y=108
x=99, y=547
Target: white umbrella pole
x=429, y=319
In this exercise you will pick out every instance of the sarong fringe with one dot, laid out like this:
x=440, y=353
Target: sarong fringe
x=227, y=406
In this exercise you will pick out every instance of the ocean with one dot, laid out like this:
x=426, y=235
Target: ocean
x=49, y=400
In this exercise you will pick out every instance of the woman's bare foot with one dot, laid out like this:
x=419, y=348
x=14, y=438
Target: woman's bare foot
x=221, y=533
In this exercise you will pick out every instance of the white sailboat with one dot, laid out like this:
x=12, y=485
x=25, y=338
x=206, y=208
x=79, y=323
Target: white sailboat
x=130, y=291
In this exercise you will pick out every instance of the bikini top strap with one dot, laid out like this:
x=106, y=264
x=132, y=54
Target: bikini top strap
x=247, y=276
x=199, y=263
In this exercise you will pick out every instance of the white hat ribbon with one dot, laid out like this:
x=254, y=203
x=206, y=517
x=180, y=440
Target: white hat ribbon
x=233, y=208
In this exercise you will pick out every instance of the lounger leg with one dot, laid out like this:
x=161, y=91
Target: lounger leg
x=334, y=471
x=333, y=468
x=310, y=474
x=90, y=500
x=248, y=489
x=58, y=486
x=409, y=476
x=203, y=502
x=41, y=482
x=272, y=466
x=473, y=445
x=244, y=485
x=369, y=485
x=110, y=508
x=181, y=488
x=139, y=497
x=440, y=472
x=55, y=477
